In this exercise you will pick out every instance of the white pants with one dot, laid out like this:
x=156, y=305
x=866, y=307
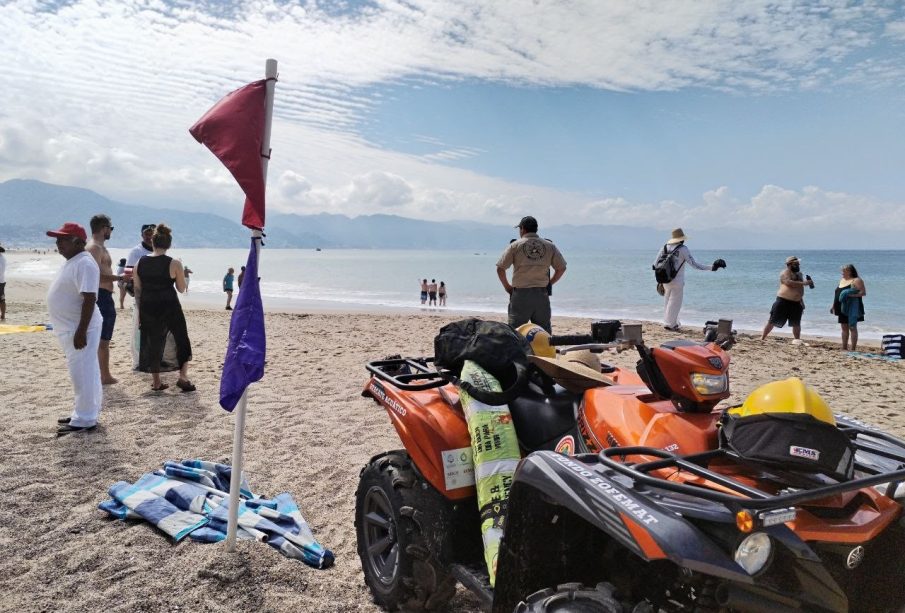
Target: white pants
x=85, y=373
x=673, y=296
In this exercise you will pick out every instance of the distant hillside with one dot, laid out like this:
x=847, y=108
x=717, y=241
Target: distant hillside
x=28, y=208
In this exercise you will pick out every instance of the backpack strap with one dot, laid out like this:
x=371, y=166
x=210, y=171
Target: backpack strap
x=494, y=398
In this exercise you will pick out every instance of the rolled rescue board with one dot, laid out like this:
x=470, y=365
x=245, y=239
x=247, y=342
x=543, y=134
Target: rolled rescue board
x=496, y=455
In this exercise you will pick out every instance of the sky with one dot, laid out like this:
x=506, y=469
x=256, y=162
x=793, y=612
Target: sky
x=782, y=116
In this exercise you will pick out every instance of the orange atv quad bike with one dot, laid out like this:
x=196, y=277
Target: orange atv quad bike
x=666, y=504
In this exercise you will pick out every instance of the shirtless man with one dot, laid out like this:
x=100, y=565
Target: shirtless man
x=101, y=227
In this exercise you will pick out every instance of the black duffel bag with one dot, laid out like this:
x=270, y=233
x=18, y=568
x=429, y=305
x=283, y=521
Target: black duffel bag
x=495, y=346
x=792, y=441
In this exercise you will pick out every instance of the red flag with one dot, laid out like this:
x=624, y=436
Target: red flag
x=233, y=130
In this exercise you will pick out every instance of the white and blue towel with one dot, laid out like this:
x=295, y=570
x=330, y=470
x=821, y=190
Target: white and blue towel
x=191, y=498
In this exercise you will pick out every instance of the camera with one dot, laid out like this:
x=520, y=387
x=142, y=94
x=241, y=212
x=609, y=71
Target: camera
x=809, y=280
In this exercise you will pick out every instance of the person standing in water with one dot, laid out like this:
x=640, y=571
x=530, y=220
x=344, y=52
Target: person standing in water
x=441, y=293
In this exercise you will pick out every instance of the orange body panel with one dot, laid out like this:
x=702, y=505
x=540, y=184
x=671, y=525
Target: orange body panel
x=618, y=416
x=427, y=425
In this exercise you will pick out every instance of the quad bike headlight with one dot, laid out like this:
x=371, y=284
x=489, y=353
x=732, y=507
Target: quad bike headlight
x=707, y=385
x=754, y=552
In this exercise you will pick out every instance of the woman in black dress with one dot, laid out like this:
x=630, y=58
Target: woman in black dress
x=848, y=321
x=157, y=277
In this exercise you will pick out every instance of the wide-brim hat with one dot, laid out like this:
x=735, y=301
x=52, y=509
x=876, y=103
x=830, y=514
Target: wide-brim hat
x=677, y=237
x=791, y=259
x=576, y=371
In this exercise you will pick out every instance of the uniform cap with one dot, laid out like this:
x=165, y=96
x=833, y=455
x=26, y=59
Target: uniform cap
x=528, y=223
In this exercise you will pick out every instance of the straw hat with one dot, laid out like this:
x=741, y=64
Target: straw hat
x=677, y=237
x=791, y=259
x=576, y=371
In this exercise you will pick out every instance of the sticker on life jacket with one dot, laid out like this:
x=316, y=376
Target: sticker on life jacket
x=804, y=452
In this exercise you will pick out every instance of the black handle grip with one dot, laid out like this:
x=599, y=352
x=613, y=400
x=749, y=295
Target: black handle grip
x=572, y=339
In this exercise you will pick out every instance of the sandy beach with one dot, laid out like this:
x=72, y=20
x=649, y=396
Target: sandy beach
x=309, y=432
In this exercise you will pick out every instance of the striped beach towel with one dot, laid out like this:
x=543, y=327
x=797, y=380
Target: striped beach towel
x=191, y=499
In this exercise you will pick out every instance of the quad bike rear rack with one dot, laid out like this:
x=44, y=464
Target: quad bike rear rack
x=890, y=451
x=401, y=372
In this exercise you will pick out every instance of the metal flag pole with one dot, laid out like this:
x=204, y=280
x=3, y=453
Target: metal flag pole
x=270, y=73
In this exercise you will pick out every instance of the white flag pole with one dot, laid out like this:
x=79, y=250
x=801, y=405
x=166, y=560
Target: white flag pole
x=270, y=73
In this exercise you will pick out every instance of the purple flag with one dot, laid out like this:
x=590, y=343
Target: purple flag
x=244, y=363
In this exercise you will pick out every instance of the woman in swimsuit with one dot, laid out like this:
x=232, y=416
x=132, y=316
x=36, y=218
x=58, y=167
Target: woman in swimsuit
x=850, y=279
x=442, y=293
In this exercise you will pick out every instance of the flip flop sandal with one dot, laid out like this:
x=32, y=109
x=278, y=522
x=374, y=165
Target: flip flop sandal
x=64, y=420
x=67, y=428
x=162, y=387
x=185, y=386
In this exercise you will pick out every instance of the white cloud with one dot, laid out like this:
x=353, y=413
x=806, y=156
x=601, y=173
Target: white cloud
x=100, y=93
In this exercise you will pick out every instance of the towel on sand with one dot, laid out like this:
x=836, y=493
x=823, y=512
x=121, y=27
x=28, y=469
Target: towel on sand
x=872, y=356
x=13, y=329
x=191, y=498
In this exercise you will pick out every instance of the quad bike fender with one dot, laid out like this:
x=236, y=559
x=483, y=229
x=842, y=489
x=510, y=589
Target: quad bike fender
x=433, y=433
x=572, y=512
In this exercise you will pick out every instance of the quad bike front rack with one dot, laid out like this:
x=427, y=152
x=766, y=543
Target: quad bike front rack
x=869, y=457
x=410, y=374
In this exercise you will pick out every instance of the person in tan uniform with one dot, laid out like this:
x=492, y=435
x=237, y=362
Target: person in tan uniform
x=531, y=259
x=789, y=304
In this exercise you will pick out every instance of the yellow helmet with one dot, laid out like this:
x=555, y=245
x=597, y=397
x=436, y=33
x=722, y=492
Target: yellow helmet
x=788, y=396
x=538, y=338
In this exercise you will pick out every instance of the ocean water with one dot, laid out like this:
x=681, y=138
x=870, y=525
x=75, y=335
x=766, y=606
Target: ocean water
x=600, y=284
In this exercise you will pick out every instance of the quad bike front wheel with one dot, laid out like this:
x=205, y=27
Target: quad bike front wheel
x=401, y=523
x=572, y=598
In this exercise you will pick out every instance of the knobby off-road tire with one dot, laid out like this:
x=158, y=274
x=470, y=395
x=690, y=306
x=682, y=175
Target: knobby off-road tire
x=572, y=598
x=401, y=523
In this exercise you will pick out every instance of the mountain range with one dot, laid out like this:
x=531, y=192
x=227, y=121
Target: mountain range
x=28, y=208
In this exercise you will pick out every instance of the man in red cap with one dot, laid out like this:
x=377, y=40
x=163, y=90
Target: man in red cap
x=71, y=303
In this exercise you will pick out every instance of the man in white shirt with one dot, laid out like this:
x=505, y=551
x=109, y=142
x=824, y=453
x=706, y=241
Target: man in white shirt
x=72, y=305
x=142, y=249
x=675, y=289
x=2, y=284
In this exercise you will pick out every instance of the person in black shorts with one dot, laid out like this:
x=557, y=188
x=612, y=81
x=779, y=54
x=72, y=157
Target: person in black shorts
x=789, y=303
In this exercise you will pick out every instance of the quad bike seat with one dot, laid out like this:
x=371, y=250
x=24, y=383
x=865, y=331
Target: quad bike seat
x=541, y=416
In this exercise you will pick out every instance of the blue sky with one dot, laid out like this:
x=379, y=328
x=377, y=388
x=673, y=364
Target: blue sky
x=779, y=115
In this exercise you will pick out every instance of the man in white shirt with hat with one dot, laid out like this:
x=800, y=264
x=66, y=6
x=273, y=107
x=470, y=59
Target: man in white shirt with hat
x=674, y=291
x=72, y=306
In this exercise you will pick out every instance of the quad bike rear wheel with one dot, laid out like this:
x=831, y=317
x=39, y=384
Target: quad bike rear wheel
x=572, y=598
x=401, y=524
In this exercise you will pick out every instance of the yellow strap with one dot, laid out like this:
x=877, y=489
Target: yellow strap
x=11, y=329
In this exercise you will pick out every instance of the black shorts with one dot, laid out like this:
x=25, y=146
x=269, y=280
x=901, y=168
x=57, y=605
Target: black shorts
x=786, y=310
x=108, y=312
x=433, y=295
x=2, y=292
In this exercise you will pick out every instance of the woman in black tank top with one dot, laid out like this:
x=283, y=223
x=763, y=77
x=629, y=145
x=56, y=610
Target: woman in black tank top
x=850, y=316
x=157, y=278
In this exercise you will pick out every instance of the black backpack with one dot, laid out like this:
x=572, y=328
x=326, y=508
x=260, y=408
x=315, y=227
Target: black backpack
x=665, y=269
x=495, y=346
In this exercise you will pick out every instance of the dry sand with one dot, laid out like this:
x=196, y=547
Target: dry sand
x=308, y=432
